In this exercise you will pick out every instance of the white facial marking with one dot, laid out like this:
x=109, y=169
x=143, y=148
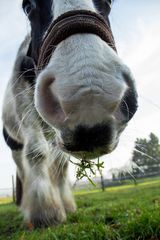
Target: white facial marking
x=61, y=6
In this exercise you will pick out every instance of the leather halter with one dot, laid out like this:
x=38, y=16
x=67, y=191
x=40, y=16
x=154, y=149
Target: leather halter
x=70, y=23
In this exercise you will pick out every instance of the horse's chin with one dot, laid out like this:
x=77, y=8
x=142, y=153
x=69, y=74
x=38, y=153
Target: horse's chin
x=89, y=155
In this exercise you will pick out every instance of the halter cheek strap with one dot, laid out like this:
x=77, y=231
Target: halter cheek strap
x=70, y=23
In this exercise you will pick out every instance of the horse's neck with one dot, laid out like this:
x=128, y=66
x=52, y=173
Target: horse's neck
x=62, y=6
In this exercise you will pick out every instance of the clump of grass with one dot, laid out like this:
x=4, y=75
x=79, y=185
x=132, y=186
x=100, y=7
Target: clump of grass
x=88, y=168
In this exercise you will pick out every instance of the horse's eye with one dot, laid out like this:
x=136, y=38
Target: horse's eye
x=28, y=6
x=28, y=9
x=110, y=2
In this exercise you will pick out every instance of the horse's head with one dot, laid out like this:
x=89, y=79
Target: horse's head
x=83, y=90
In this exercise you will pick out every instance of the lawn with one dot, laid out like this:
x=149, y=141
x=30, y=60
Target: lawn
x=120, y=213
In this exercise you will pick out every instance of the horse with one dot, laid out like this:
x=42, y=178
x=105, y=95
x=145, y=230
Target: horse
x=69, y=95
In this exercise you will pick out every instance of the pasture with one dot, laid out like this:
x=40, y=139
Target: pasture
x=120, y=213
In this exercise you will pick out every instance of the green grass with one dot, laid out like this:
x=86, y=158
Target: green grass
x=120, y=213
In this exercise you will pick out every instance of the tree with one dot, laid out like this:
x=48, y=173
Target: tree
x=146, y=156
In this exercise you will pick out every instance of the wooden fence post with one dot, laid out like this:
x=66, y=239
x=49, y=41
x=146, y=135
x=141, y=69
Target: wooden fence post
x=13, y=189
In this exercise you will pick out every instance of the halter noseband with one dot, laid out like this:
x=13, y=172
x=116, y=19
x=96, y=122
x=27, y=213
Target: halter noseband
x=73, y=22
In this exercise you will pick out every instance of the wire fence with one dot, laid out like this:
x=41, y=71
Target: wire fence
x=9, y=192
x=6, y=192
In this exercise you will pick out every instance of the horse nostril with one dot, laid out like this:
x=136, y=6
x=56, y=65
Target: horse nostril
x=47, y=103
x=86, y=138
x=129, y=103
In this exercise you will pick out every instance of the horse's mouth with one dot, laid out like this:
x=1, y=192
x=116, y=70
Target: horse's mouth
x=89, y=154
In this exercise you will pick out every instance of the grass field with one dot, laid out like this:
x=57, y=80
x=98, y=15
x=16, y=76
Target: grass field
x=120, y=213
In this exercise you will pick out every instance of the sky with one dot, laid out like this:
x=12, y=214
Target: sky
x=136, y=28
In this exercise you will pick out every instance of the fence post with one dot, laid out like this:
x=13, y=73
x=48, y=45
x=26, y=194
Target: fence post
x=13, y=189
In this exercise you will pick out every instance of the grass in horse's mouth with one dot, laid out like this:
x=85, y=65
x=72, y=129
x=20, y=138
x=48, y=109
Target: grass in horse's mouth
x=88, y=168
